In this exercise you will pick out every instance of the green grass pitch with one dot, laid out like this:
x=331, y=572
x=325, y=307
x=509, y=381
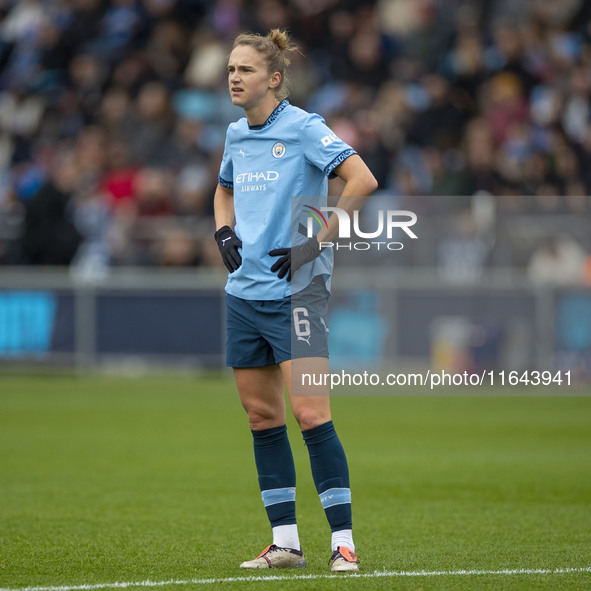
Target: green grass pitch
x=111, y=479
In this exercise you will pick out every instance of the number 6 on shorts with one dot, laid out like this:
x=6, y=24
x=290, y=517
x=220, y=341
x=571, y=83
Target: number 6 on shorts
x=300, y=322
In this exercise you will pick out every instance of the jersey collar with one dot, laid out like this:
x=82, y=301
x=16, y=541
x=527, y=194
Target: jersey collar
x=272, y=116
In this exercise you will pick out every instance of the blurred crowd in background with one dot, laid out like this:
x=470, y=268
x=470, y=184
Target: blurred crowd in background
x=113, y=117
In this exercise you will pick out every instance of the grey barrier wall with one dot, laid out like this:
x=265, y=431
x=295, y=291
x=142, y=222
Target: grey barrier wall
x=158, y=318
x=131, y=317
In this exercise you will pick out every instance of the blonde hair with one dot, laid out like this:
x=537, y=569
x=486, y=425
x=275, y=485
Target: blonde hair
x=275, y=47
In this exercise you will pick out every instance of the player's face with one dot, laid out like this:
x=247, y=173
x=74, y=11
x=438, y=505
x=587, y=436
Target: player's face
x=249, y=81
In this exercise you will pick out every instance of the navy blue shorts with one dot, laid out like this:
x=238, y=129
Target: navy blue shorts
x=266, y=332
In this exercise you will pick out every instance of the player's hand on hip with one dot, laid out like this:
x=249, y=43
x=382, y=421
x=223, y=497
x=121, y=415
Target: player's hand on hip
x=291, y=259
x=229, y=243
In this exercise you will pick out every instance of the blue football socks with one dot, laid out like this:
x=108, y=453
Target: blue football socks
x=276, y=470
x=331, y=474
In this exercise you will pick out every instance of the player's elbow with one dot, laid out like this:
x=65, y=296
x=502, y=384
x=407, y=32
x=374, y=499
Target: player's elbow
x=363, y=184
x=372, y=184
x=368, y=183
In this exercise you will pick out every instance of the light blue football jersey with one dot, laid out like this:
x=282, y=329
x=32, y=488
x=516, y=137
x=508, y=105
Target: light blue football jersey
x=268, y=166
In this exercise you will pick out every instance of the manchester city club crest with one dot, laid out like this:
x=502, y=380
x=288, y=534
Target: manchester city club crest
x=279, y=150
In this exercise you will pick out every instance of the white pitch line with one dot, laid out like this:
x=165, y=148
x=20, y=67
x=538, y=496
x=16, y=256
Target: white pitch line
x=376, y=574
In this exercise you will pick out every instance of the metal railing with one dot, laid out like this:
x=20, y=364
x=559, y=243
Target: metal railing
x=92, y=317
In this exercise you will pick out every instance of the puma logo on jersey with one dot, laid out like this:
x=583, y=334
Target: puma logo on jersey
x=305, y=339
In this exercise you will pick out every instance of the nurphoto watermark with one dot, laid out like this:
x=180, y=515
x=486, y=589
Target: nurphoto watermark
x=388, y=221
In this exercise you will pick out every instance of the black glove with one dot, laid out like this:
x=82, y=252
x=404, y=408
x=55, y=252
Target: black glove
x=229, y=243
x=293, y=258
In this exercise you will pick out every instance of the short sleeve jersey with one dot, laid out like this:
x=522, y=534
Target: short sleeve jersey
x=292, y=154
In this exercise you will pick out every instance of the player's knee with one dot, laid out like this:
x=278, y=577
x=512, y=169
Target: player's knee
x=310, y=418
x=263, y=417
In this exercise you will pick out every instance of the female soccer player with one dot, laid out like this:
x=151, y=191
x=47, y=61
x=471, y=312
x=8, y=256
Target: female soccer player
x=274, y=153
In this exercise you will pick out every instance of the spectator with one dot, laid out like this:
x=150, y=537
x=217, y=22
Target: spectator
x=440, y=98
x=558, y=260
x=50, y=236
x=150, y=124
x=176, y=248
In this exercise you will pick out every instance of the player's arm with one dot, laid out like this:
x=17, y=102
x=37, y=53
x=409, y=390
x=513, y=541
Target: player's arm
x=223, y=207
x=228, y=242
x=359, y=185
